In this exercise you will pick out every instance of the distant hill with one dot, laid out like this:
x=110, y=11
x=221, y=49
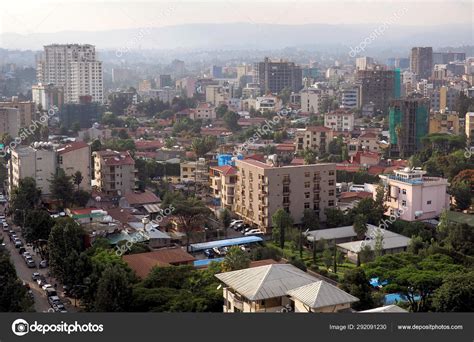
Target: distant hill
x=247, y=36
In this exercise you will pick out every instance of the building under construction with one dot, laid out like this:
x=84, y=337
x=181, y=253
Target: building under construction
x=408, y=123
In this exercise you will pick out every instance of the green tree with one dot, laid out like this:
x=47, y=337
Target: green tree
x=378, y=245
x=225, y=219
x=456, y=294
x=96, y=145
x=462, y=194
x=201, y=146
x=327, y=257
x=81, y=197
x=25, y=196
x=231, y=121
x=38, y=224
x=309, y=156
x=236, y=259
x=77, y=178
x=282, y=221
x=356, y=283
x=13, y=295
x=62, y=188
x=310, y=220
x=360, y=226
x=114, y=292
x=365, y=255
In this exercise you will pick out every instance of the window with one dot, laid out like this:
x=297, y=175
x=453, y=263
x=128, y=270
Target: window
x=428, y=202
x=306, y=174
x=286, y=189
x=404, y=203
x=331, y=173
x=331, y=182
x=306, y=205
x=306, y=195
x=331, y=203
x=404, y=191
x=306, y=184
x=331, y=192
x=286, y=200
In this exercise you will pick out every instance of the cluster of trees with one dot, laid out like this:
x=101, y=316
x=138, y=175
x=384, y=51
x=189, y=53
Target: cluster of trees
x=150, y=169
x=187, y=126
x=201, y=146
x=66, y=189
x=13, y=295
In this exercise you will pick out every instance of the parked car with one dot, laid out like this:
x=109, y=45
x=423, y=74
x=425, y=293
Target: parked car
x=46, y=286
x=41, y=281
x=50, y=291
x=254, y=232
x=18, y=243
x=26, y=254
x=2, y=217
x=66, y=290
x=43, y=264
x=233, y=223
x=5, y=225
x=30, y=263
x=59, y=307
x=35, y=276
x=22, y=250
x=53, y=300
x=6, y=229
x=12, y=236
x=216, y=251
x=209, y=253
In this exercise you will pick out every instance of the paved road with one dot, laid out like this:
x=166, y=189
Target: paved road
x=24, y=273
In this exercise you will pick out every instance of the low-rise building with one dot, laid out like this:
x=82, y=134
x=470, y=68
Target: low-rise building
x=280, y=288
x=339, y=120
x=195, y=171
x=263, y=188
x=268, y=103
x=223, y=180
x=204, y=111
x=114, y=172
x=316, y=138
x=412, y=196
x=447, y=122
x=76, y=156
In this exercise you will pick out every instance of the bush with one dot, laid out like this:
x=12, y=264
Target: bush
x=266, y=252
x=298, y=263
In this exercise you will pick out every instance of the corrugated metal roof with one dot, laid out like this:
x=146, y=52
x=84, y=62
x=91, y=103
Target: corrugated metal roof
x=321, y=294
x=386, y=309
x=266, y=281
x=225, y=243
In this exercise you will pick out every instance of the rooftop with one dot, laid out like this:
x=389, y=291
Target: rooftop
x=73, y=146
x=321, y=294
x=116, y=158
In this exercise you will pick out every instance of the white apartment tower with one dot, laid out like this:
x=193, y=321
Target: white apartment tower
x=75, y=68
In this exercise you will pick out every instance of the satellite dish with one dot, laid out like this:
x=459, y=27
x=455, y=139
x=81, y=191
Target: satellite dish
x=98, y=199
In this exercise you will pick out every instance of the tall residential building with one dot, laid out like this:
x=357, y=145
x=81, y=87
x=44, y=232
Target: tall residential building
x=421, y=61
x=26, y=109
x=9, y=121
x=37, y=161
x=316, y=138
x=364, y=63
x=164, y=81
x=444, y=99
x=48, y=96
x=275, y=75
x=114, y=172
x=408, y=123
x=413, y=197
x=350, y=97
x=311, y=100
x=76, y=156
x=75, y=68
x=263, y=188
x=378, y=86
x=339, y=120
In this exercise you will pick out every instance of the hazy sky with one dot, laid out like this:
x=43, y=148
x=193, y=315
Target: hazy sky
x=28, y=16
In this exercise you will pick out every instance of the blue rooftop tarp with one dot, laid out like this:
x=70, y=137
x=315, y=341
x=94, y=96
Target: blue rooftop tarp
x=206, y=262
x=225, y=243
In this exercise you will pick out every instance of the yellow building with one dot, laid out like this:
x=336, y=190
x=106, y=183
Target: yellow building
x=447, y=122
x=470, y=124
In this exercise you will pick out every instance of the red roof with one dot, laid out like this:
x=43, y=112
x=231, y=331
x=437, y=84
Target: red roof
x=72, y=147
x=143, y=263
x=376, y=170
x=318, y=129
x=257, y=163
x=83, y=211
x=355, y=195
x=348, y=167
x=226, y=170
x=259, y=157
x=148, y=145
x=141, y=198
x=116, y=158
x=285, y=147
x=297, y=161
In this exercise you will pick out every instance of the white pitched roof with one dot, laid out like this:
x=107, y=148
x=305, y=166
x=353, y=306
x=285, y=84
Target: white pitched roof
x=387, y=309
x=321, y=294
x=264, y=282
